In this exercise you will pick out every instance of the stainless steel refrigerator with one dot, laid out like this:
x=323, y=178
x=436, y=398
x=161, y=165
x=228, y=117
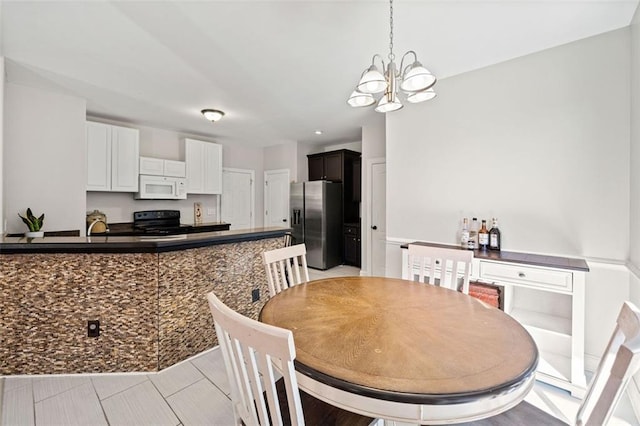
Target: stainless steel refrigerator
x=316, y=219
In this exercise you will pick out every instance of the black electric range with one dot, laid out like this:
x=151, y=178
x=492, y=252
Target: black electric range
x=159, y=222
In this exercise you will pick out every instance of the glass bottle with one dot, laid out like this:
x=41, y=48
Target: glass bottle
x=473, y=235
x=464, y=235
x=494, y=236
x=483, y=236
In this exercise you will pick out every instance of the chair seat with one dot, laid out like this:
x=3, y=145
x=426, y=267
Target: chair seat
x=318, y=412
x=523, y=414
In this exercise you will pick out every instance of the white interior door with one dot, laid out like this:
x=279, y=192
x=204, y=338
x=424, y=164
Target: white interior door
x=378, y=219
x=237, y=200
x=276, y=198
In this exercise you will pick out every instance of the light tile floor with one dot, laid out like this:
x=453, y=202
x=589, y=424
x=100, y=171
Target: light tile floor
x=194, y=392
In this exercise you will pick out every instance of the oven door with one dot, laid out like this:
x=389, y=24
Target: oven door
x=161, y=188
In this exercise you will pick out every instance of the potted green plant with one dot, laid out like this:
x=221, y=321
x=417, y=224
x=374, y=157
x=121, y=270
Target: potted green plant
x=34, y=224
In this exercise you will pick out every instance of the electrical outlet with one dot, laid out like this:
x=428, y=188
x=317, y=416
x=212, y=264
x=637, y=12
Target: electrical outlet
x=93, y=328
x=255, y=295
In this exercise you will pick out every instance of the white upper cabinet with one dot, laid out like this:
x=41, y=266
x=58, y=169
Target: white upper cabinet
x=204, y=167
x=160, y=167
x=175, y=168
x=112, y=158
x=98, y=157
x=151, y=166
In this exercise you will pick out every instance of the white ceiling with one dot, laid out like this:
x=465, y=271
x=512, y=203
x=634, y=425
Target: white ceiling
x=279, y=69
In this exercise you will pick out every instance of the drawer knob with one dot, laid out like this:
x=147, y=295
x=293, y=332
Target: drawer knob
x=521, y=274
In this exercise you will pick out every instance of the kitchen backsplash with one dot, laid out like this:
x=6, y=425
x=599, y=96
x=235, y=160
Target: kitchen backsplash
x=119, y=206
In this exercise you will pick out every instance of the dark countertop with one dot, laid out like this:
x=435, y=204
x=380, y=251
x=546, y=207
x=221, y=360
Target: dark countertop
x=134, y=244
x=517, y=257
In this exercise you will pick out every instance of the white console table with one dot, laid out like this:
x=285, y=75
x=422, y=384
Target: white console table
x=546, y=294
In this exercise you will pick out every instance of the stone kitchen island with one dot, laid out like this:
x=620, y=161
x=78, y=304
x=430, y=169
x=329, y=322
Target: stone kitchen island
x=147, y=292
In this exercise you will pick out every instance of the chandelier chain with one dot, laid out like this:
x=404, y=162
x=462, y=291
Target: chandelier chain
x=391, y=55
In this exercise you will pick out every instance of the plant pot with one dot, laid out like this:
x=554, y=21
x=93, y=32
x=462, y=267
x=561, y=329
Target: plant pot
x=38, y=234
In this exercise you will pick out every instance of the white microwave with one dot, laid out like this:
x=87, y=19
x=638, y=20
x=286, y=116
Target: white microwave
x=161, y=188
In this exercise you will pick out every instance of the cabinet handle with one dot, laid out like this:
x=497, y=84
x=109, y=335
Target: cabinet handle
x=374, y=227
x=284, y=220
x=521, y=274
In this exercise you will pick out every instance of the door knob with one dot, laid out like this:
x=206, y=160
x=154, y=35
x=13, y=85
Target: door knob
x=374, y=227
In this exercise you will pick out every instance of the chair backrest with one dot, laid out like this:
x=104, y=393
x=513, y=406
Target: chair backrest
x=249, y=349
x=286, y=267
x=441, y=266
x=621, y=360
x=289, y=239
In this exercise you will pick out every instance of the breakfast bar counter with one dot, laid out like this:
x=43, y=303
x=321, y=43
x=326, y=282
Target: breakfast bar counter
x=133, y=244
x=148, y=293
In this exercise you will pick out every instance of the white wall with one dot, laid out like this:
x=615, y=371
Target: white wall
x=282, y=156
x=634, y=249
x=44, y=157
x=541, y=142
x=353, y=146
x=160, y=143
x=301, y=159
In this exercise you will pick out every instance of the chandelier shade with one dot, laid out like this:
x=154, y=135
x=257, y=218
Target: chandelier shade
x=417, y=78
x=388, y=103
x=414, y=80
x=421, y=96
x=358, y=99
x=372, y=81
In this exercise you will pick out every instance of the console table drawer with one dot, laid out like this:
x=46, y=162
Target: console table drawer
x=526, y=275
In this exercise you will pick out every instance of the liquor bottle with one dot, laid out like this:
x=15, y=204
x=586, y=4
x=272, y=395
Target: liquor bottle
x=473, y=235
x=464, y=235
x=494, y=236
x=483, y=236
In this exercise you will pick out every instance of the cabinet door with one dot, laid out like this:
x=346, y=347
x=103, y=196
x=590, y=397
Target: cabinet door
x=151, y=166
x=98, y=156
x=357, y=180
x=124, y=159
x=212, y=168
x=333, y=167
x=204, y=167
x=194, y=154
x=174, y=168
x=316, y=168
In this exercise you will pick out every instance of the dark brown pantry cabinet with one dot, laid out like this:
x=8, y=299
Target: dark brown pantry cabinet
x=352, y=244
x=342, y=166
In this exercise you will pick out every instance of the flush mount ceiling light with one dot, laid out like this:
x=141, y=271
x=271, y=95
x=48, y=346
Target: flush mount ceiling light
x=212, y=114
x=413, y=80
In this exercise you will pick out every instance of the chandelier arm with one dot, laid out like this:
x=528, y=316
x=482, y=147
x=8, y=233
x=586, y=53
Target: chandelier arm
x=381, y=60
x=401, y=70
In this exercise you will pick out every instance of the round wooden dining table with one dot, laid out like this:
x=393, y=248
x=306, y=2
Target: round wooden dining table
x=404, y=351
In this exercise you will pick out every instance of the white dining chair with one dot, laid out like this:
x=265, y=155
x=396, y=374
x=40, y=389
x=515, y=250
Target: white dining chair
x=440, y=266
x=250, y=349
x=621, y=360
x=285, y=267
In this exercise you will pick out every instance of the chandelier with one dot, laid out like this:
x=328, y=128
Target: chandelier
x=413, y=80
